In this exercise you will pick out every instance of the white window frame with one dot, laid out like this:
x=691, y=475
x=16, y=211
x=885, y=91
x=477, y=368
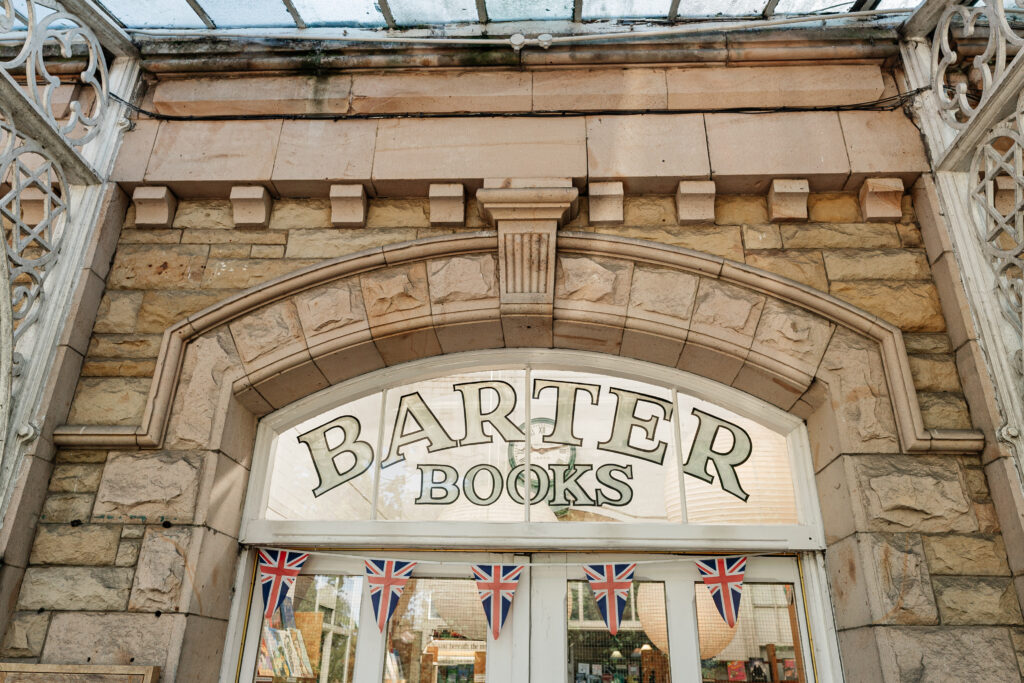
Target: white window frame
x=536, y=536
x=407, y=540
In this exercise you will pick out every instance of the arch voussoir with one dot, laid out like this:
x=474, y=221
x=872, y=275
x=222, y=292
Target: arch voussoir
x=770, y=337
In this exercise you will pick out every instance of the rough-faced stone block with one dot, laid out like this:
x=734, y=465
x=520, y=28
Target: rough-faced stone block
x=926, y=654
x=911, y=306
x=917, y=493
x=881, y=200
x=153, y=266
x=727, y=312
x=75, y=588
x=154, y=206
x=149, y=487
x=606, y=205
x=25, y=635
x=441, y=91
x=209, y=365
x=267, y=334
x=695, y=201
x=447, y=204
x=250, y=206
x=109, y=400
x=787, y=200
x=313, y=155
x=348, y=206
x=60, y=508
x=76, y=637
x=649, y=154
x=792, y=336
x=207, y=158
x=966, y=555
x=161, y=569
x=889, y=264
x=803, y=266
x=717, y=87
x=91, y=544
x=412, y=153
x=977, y=600
x=882, y=143
x=748, y=151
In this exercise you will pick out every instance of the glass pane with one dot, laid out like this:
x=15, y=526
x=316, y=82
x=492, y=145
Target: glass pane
x=624, y=467
x=638, y=653
x=522, y=10
x=625, y=9
x=438, y=634
x=725, y=8
x=419, y=12
x=430, y=472
x=313, y=636
x=897, y=4
x=811, y=6
x=313, y=458
x=764, y=477
x=334, y=13
x=766, y=636
x=251, y=13
x=154, y=13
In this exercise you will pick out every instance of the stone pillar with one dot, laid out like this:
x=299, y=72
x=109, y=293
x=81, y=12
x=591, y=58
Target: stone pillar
x=528, y=214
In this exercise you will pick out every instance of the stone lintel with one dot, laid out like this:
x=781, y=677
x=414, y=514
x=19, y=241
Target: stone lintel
x=606, y=203
x=447, y=204
x=787, y=200
x=154, y=206
x=695, y=201
x=250, y=206
x=348, y=206
x=881, y=199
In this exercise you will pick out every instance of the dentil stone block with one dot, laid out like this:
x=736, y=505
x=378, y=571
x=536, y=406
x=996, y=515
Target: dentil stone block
x=348, y=206
x=881, y=199
x=606, y=203
x=787, y=200
x=154, y=206
x=250, y=206
x=695, y=201
x=447, y=204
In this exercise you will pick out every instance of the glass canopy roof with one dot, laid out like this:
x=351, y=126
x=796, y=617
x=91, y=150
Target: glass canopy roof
x=254, y=14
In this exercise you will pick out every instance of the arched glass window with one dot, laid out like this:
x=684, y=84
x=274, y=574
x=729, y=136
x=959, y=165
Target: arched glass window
x=552, y=459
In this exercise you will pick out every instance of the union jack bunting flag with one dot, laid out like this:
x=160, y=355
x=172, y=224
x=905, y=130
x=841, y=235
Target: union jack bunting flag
x=278, y=569
x=724, y=578
x=387, y=579
x=497, y=585
x=610, y=583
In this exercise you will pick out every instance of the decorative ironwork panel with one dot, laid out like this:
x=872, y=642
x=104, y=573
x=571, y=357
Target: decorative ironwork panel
x=997, y=203
x=962, y=86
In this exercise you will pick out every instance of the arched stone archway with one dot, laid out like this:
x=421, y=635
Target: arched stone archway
x=845, y=372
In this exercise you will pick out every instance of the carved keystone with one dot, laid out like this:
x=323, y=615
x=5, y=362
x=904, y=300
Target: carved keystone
x=695, y=201
x=348, y=206
x=528, y=219
x=154, y=206
x=880, y=199
x=605, y=203
x=787, y=200
x=250, y=206
x=447, y=204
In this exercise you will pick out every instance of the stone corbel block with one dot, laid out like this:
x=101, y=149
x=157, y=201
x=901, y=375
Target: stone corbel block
x=881, y=199
x=447, y=204
x=154, y=206
x=250, y=206
x=695, y=201
x=787, y=200
x=348, y=206
x=606, y=200
x=33, y=205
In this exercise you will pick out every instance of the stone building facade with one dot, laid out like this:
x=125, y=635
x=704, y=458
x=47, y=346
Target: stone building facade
x=267, y=234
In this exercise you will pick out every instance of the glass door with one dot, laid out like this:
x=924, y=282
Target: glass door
x=670, y=628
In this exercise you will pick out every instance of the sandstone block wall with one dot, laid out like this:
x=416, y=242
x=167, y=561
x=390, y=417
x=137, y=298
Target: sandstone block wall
x=133, y=558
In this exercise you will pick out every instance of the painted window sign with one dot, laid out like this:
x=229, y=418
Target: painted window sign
x=598, y=448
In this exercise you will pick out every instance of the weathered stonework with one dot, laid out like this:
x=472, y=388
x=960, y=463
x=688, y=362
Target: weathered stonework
x=148, y=487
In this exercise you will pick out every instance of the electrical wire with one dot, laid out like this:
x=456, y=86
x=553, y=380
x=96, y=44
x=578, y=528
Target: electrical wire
x=884, y=104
